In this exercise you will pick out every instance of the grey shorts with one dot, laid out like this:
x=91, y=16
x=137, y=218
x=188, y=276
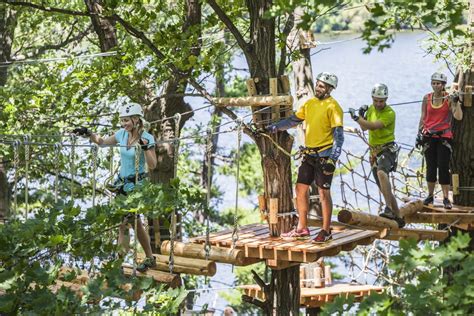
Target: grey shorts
x=385, y=161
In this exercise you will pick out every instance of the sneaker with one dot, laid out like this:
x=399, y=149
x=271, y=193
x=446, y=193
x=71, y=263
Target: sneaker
x=322, y=237
x=447, y=204
x=428, y=200
x=389, y=214
x=146, y=264
x=296, y=234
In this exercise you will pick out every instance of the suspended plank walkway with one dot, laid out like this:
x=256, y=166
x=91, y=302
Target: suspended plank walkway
x=459, y=216
x=317, y=297
x=256, y=242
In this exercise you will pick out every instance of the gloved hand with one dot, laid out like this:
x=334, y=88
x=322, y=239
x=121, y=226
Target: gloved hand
x=419, y=140
x=362, y=110
x=329, y=166
x=353, y=114
x=82, y=131
x=144, y=144
x=272, y=129
x=454, y=96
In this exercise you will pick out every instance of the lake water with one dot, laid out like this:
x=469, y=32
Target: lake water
x=406, y=70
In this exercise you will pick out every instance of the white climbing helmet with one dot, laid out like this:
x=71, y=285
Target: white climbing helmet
x=380, y=90
x=329, y=78
x=437, y=76
x=131, y=109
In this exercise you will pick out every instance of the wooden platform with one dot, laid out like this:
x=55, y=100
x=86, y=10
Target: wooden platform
x=391, y=234
x=256, y=242
x=317, y=297
x=459, y=216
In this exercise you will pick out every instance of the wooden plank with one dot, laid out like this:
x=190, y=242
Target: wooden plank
x=172, y=280
x=273, y=86
x=251, y=87
x=468, y=96
x=441, y=218
x=455, y=181
x=285, y=84
x=255, y=101
x=418, y=234
x=438, y=207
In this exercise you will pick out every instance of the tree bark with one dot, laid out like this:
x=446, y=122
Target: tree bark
x=8, y=20
x=463, y=150
x=104, y=28
x=284, y=284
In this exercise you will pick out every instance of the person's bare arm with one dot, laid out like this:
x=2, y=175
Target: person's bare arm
x=109, y=140
x=366, y=125
x=423, y=112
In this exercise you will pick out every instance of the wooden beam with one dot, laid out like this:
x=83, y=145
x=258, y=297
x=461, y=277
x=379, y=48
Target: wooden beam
x=418, y=234
x=455, y=180
x=468, y=96
x=218, y=254
x=441, y=218
x=285, y=84
x=184, y=265
x=251, y=88
x=173, y=280
x=364, y=219
x=411, y=208
x=267, y=100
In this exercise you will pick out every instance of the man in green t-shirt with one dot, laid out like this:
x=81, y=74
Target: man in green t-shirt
x=379, y=120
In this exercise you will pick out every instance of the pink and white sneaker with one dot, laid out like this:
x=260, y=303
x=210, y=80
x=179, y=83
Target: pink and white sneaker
x=296, y=234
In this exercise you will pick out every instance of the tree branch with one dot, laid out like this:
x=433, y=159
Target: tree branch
x=286, y=31
x=254, y=301
x=46, y=9
x=246, y=48
x=70, y=39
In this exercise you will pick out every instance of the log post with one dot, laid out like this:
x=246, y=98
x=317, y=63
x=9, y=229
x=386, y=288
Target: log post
x=273, y=217
x=218, y=254
x=455, y=178
x=262, y=205
x=185, y=265
x=366, y=220
x=411, y=208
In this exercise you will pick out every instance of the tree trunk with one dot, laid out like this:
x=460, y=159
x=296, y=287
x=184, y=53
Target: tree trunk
x=275, y=164
x=463, y=151
x=104, y=28
x=8, y=19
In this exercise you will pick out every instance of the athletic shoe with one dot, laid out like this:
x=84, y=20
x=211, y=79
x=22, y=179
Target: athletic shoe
x=322, y=237
x=447, y=204
x=146, y=264
x=296, y=234
x=389, y=214
x=428, y=200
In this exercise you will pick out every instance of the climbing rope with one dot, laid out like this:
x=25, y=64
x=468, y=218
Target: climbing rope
x=72, y=160
x=94, y=154
x=235, y=234
x=138, y=152
x=57, y=150
x=207, y=246
x=177, y=122
x=16, y=163
x=27, y=159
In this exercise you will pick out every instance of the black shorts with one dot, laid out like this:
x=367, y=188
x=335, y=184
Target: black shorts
x=311, y=170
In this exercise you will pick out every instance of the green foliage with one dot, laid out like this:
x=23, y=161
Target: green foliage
x=430, y=280
x=31, y=253
x=251, y=173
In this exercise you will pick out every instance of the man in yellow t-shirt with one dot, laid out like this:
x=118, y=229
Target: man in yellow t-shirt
x=324, y=139
x=380, y=122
